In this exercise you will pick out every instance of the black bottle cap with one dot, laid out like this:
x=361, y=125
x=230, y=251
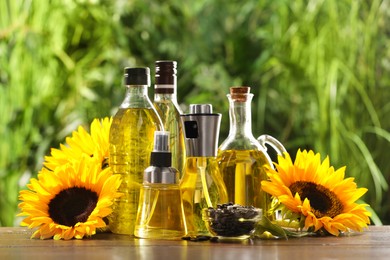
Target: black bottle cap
x=165, y=72
x=161, y=159
x=137, y=76
x=160, y=155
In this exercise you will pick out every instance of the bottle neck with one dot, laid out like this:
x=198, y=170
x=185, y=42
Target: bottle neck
x=165, y=80
x=136, y=96
x=240, y=117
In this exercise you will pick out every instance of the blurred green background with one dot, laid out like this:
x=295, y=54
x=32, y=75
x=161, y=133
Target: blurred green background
x=319, y=69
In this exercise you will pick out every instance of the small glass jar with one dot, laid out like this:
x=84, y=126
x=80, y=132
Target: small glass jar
x=231, y=222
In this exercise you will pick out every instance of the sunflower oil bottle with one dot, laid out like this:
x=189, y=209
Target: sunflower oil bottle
x=242, y=158
x=201, y=185
x=160, y=211
x=131, y=142
x=165, y=102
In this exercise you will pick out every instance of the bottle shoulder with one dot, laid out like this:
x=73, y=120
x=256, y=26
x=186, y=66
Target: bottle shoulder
x=168, y=105
x=133, y=115
x=240, y=142
x=136, y=100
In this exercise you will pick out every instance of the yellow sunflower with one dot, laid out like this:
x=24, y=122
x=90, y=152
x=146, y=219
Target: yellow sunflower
x=69, y=202
x=95, y=145
x=318, y=193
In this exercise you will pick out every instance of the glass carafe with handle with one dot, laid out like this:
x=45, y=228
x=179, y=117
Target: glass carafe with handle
x=242, y=158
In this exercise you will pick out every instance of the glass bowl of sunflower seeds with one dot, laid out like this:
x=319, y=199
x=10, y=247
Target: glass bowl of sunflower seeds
x=231, y=221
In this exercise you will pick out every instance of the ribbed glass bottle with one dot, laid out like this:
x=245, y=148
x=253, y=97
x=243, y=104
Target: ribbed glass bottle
x=131, y=143
x=165, y=102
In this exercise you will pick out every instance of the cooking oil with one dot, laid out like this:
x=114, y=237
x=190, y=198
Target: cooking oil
x=160, y=211
x=242, y=158
x=242, y=172
x=161, y=214
x=165, y=102
x=131, y=142
x=171, y=120
x=202, y=187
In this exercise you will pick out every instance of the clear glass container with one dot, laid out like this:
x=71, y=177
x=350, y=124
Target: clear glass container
x=160, y=212
x=231, y=222
x=242, y=158
x=131, y=142
x=165, y=102
x=201, y=185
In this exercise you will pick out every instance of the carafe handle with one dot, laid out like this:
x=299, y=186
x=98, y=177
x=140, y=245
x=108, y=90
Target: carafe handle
x=273, y=142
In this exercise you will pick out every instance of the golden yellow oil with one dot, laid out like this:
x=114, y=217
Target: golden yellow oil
x=131, y=142
x=242, y=172
x=201, y=186
x=161, y=214
x=170, y=117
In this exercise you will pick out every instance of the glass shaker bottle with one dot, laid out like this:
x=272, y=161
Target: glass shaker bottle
x=160, y=211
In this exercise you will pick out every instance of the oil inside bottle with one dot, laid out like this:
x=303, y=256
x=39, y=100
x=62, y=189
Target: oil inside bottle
x=131, y=142
x=170, y=117
x=201, y=187
x=162, y=207
x=242, y=172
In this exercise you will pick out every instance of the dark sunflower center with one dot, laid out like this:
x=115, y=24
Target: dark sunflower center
x=72, y=205
x=322, y=201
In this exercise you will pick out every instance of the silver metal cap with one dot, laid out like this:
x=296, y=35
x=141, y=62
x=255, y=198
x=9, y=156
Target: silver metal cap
x=201, y=109
x=165, y=175
x=161, y=141
x=201, y=131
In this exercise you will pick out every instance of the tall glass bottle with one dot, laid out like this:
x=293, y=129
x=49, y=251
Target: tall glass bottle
x=241, y=157
x=201, y=185
x=131, y=142
x=165, y=102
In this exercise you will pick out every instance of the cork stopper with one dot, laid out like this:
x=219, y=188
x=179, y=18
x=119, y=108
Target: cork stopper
x=240, y=93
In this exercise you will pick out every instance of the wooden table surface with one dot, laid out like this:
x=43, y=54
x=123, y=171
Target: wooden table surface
x=15, y=243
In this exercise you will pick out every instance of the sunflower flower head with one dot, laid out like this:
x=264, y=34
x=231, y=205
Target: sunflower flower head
x=320, y=196
x=69, y=202
x=95, y=144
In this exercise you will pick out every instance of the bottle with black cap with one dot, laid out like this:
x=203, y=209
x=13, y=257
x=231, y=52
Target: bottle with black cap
x=165, y=102
x=131, y=142
x=160, y=212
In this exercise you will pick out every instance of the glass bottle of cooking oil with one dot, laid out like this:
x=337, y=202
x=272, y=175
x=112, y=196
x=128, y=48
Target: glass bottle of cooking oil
x=131, y=142
x=165, y=102
x=160, y=211
x=242, y=158
x=201, y=185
